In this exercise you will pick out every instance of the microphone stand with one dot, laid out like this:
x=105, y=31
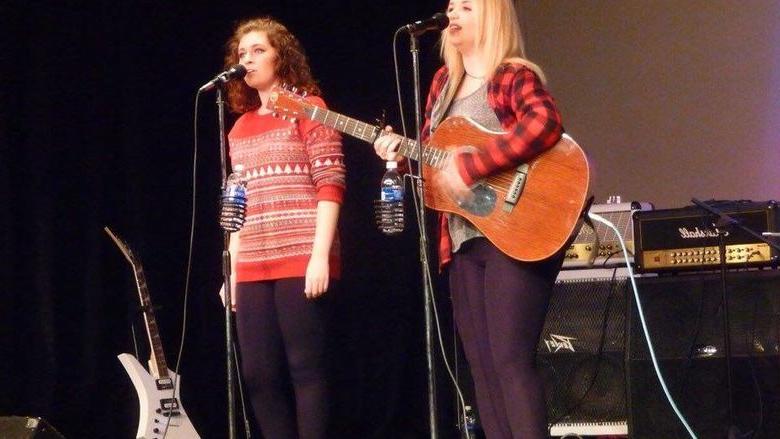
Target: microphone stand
x=725, y=222
x=226, y=271
x=424, y=258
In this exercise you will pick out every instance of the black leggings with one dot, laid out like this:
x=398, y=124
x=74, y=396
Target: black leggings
x=499, y=306
x=282, y=341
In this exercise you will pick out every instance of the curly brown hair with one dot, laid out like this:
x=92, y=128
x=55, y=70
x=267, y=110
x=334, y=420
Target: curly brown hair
x=292, y=66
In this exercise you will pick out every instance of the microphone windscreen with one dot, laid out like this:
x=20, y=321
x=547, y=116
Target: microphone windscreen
x=441, y=20
x=237, y=71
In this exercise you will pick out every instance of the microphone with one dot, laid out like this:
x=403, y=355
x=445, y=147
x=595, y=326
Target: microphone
x=438, y=22
x=233, y=202
x=235, y=72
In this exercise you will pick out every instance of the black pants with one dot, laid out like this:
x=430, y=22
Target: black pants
x=499, y=306
x=282, y=339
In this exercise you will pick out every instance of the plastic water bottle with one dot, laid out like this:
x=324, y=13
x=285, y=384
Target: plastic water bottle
x=233, y=201
x=390, y=208
x=470, y=422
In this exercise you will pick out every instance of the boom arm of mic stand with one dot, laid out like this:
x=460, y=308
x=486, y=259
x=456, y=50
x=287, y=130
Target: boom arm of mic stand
x=424, y=259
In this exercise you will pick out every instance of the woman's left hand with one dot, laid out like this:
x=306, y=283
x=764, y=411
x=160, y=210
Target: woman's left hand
x=449, y=180
x=317, y=277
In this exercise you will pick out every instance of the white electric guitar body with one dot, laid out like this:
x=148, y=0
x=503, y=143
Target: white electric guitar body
x=162, y=415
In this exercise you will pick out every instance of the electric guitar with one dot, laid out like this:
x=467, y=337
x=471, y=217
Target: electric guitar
x=529, y=212
x=161, y=412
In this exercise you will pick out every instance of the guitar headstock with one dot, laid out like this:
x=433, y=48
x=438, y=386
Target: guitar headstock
x=288, y=104
x=123, y=247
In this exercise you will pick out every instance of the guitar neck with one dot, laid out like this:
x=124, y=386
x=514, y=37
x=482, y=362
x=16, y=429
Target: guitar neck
x=157, y=364
x=409, y=148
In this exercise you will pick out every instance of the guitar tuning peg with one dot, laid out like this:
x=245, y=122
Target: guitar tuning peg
x=293, y=119
x=284, y=116
x=284, y=86
x=304, y=94
x=275, y=114
x=295, y=89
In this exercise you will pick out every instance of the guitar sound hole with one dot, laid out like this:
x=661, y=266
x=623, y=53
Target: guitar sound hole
x=483, y=202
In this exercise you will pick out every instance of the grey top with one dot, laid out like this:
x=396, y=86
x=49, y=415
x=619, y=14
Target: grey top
x=474, y=106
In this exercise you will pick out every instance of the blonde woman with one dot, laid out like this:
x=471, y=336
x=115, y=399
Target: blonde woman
x=499, y=303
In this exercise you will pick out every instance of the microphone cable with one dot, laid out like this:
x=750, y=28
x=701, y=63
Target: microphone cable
x=188, y=275
x=190, y=245
x=427, y=269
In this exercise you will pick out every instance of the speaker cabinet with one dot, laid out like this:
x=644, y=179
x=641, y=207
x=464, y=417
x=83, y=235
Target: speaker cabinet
x=581, y=353
x=684, y=314
x=22, y=427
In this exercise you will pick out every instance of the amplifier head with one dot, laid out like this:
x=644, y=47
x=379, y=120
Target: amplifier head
x=688, y=238
x=600, y=247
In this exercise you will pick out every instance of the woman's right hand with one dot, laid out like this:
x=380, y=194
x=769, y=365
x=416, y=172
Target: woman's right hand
x=386, y=145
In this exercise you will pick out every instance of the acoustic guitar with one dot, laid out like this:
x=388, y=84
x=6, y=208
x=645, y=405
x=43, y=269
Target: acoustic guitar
x=529, y=212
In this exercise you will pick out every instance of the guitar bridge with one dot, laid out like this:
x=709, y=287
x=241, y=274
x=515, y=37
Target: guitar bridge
x=516, y=188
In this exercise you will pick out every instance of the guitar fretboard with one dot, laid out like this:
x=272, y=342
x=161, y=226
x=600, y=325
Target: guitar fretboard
x=433, y=157
x=157, y=355
x=157, y=364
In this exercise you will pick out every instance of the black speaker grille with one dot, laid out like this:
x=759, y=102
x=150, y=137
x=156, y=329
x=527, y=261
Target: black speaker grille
x=684, y=315
x=581, y=351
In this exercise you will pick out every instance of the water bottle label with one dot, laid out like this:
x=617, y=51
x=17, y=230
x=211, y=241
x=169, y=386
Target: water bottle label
x=235, y=191
x=392, y=193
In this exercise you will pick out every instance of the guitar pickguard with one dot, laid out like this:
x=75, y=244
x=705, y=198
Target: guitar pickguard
x=482, y=202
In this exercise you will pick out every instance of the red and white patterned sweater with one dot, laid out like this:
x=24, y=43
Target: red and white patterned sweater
x=289, y=167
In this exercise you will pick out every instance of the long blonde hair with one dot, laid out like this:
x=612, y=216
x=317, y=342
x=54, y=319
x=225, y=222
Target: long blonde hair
x=502, y=43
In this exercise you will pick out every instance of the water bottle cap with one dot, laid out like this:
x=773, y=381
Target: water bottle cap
x=391, y=164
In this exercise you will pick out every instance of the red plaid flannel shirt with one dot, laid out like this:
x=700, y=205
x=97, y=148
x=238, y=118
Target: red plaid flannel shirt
x=527, y=114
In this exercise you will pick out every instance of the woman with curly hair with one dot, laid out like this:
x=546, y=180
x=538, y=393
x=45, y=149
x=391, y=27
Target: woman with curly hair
x=287, y=255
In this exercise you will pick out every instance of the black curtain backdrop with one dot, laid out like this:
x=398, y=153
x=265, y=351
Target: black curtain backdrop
x=97, y=129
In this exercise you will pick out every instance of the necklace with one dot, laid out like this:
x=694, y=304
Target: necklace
x=473, y=76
